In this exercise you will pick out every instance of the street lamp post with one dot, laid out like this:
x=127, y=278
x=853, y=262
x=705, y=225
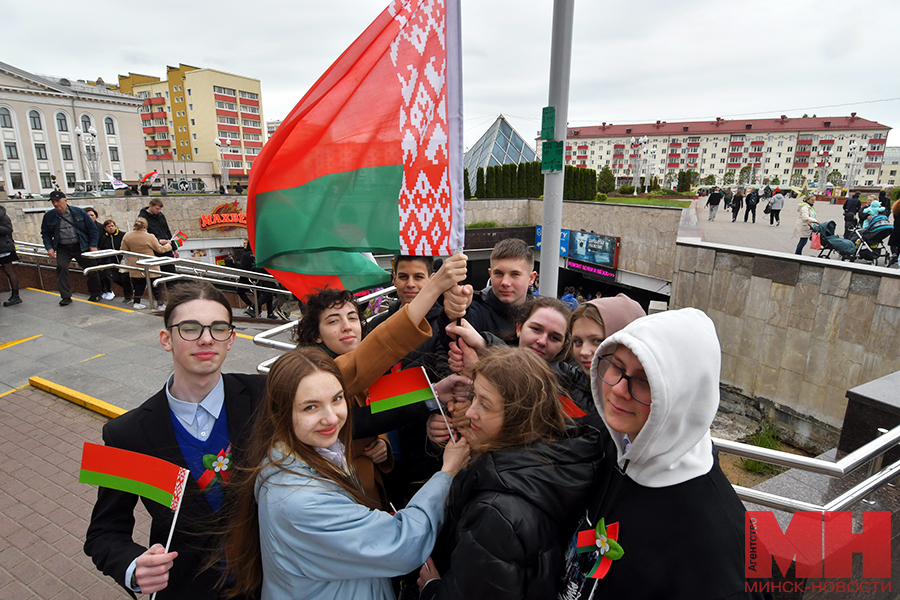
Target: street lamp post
x=823, y=165
x=90, y=151
x=650, y=170
x=222, y=168
x=636, y=149
x=851, y=151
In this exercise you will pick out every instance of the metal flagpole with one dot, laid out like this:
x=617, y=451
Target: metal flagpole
x=560, y=66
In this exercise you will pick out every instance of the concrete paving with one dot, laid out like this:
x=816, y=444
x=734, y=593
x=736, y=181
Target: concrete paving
x=100, y=349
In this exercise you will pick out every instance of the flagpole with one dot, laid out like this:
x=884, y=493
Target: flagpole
x=440, y=408
x=560, y=66
x=174, y=520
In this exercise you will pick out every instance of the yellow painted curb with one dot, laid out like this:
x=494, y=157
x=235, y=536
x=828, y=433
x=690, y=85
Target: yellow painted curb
x=9, y=344
x=98, y=406
x=128, y=310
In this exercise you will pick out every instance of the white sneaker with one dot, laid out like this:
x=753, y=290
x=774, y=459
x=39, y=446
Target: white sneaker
x=108, y=295
x=138, y=307
x=161, y=307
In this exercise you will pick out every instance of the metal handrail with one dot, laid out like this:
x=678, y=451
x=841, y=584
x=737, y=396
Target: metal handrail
x=264, y=338
x=839, y=468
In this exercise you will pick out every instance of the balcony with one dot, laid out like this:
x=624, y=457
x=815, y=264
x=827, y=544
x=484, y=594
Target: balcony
x=675, y=145
x=801, y=164
x=154, y=115
x=826, y=142
x=803, y=153
x=757, y=143
x=875, y=153
x=878, y=141
x=737, y=143
x=165, y=156
x=151, y=101
x=155, y=143
x=674, y=165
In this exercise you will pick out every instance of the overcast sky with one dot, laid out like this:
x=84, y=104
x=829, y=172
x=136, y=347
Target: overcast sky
x=632, y=61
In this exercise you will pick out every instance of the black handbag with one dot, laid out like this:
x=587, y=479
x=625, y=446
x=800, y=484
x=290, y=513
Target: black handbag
x=768, y=208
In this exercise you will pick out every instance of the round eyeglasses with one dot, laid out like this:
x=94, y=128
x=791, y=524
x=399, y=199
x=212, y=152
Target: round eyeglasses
x=638, y=387
x=192, y=330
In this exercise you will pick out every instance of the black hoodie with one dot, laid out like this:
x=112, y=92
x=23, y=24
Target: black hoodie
x=509, y=512
x=6, y=239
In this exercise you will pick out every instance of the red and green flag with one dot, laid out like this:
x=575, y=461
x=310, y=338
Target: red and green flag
x=400, y=389
x=370, y=159
x=132, y=472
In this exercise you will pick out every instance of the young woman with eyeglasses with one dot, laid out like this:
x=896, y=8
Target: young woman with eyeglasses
x=510, y=510
x=664, y=521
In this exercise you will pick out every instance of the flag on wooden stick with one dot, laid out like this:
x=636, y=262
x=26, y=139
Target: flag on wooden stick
x=370, y=160
x=132, y=472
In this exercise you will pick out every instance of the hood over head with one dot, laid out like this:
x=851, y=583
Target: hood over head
x=680, y=354
x=617, y=312
x=779, y=196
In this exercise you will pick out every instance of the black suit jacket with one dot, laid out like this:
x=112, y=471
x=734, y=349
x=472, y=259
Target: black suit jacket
x=148, y=429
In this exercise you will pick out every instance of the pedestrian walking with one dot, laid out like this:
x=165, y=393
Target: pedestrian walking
x=68, y=232
x=851, y=211
x=775, y=205
x=7, y=256
x=737, y=202
x=806, y=218
x=751, y=200
x=713, y=203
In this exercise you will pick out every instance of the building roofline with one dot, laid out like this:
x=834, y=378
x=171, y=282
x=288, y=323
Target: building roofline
x=788, y=125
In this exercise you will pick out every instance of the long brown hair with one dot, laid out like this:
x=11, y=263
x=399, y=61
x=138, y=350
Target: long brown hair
x=532, y=410
x=274, y=428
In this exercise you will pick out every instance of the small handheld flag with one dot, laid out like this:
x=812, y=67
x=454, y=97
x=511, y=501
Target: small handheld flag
x=132, y=472
x=400, y=389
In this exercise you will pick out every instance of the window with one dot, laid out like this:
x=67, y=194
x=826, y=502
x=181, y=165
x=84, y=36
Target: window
x=253, y=110
x=12, y=152
x=162, y=135
x=189, y=91
x=17, y=182
x=34, y=118
x=5, y=119
x=249, y=123
x=167, y=95
x=70, y=179
x=193, y=123
x=46, y=180
x=870, y=171
x=229, y=134
x=194, y=135
x=254, y=151
x=143, y=94
x=226, y=120
x=790, y=149
x=62, y=124
x=226, y=105
x=159, y=94
x=196, y=150
x=40, y=151
x=85, y=123
x=249, y=95
x=222, y=90
x=255, y=137
x=66, y=151
x=110, y=126
x=113, y=154
x=159, y=122
x=190, y=107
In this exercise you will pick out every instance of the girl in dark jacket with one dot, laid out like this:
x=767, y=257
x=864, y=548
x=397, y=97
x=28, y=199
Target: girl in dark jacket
x=111, y=239
x=7, y=256
x=510, y=510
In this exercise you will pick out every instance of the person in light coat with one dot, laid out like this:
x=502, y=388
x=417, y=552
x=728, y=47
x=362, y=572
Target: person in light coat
x=806, y=217
x=775, y=206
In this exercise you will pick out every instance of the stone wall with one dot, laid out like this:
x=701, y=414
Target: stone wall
x=504, y=212
x=796, y=332
x=182, y=212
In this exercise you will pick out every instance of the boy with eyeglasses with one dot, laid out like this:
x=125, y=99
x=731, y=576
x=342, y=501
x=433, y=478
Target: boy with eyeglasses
x=200, y=420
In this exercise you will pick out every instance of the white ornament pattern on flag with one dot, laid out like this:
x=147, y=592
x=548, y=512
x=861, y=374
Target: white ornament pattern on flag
x=419, y=54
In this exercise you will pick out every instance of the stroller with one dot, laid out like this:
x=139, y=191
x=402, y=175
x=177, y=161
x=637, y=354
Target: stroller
x=833, y=243
x=869, y=240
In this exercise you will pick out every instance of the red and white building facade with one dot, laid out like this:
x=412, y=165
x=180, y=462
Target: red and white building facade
x=762, y=148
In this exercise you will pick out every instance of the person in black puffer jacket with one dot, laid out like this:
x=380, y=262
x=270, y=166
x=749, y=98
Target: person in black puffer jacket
x=511, y=509
x=111, y=239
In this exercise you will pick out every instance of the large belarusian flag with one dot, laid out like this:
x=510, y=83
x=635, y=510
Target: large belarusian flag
x=370, y=160
x=132, y=472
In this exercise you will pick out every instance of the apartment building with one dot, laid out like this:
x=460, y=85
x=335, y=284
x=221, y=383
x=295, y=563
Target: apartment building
x=184, y=116
x=753, y=150
x=55, y=131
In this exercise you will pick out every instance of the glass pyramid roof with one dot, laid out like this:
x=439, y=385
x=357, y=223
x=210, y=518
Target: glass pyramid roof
x=500, y=145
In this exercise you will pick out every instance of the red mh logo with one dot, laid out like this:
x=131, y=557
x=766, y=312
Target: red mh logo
x=823, y=544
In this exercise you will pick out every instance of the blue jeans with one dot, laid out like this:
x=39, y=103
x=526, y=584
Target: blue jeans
x=800, y=245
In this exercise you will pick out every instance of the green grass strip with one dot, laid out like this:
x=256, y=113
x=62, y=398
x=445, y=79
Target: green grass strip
x=401, y=400
x=126, y=485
